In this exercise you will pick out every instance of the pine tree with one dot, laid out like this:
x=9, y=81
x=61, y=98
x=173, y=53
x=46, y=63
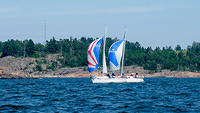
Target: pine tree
x=30, y=49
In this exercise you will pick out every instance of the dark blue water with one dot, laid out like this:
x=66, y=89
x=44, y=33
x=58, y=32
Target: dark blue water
x=80, y=95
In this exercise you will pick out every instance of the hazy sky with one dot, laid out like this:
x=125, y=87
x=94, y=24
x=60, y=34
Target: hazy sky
x=150, y=22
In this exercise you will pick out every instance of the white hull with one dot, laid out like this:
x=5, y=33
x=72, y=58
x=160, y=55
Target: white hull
x=105, y=79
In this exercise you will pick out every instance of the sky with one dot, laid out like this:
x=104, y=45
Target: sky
x=150, y=22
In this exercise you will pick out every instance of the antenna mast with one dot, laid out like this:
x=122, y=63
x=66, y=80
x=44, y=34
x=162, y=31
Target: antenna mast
x=45, y=29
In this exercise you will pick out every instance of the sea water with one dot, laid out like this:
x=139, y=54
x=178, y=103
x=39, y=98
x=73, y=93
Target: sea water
x=62, y=95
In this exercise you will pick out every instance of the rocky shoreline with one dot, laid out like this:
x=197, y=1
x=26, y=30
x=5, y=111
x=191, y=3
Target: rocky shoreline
x=87, y=75
x=16, y=68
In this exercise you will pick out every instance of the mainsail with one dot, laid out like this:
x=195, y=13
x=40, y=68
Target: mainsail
x=104, y=56
x=115, y=55
x=93, y=54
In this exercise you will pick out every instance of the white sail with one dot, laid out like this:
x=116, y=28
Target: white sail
x=104, y=56
x=115, y=55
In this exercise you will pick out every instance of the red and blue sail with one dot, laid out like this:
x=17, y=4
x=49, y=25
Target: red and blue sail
x=93, y=54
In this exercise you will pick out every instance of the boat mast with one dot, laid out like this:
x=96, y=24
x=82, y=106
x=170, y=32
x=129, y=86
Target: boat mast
x=104, y=56
x=122, y=71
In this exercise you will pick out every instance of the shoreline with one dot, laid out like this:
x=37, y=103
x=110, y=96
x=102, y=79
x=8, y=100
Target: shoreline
x=12, y=67
x=87, y=75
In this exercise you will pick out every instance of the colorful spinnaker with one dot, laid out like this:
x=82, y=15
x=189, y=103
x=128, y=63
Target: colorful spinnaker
x=93, y=54
x=115, y=55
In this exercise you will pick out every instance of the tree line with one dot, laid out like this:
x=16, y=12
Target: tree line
x=74, y=52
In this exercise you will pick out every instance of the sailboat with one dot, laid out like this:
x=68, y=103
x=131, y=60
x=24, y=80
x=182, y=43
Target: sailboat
x=116, y=60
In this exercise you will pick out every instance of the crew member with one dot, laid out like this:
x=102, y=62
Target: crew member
x=108, y=75
x=113, y=75
x=136, y=75
x=132, y=74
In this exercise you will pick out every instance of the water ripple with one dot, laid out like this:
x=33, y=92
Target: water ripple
x=80, y=95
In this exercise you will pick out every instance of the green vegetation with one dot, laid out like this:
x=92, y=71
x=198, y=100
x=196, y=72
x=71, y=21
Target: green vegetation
x=38, y=67
x=74, y=52
x=1, y=47
x=53, y=65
